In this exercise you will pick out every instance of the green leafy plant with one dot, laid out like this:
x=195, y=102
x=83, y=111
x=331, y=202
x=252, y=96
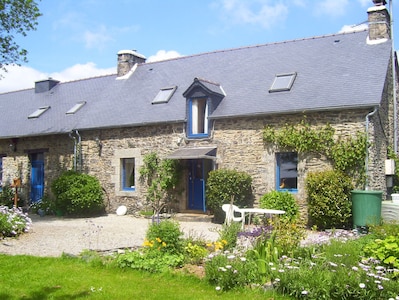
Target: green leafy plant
x=385, y=250
x=329, y=204
x=347, y=155
x=281, y=201
x=78, y=194
x=224, y=185
x=162, y=249
x=7, y=196
x=162, y=178
x=228, y=234
x=195, y=254
x=166, y=236
x=288, y=236
x=265, y=253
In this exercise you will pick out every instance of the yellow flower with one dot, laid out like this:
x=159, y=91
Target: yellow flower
x=147, y=243
x=163, y=244
x=158, y=240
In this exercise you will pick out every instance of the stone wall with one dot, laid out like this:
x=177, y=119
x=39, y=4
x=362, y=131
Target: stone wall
x=239, y=145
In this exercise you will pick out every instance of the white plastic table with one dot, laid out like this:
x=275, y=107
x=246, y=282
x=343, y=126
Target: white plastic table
x=263, y=211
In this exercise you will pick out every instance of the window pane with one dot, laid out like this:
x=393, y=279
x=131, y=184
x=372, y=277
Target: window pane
x=287, y=170
x=199, y=115
x=128, y=179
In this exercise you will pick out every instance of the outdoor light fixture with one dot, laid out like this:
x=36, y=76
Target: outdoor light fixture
x=13, y=145
x=99, y=145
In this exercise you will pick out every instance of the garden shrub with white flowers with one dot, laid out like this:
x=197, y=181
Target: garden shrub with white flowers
x=13, y=222
x=347, y=265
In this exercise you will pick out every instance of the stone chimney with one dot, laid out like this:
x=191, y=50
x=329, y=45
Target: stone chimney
x=379, y=21
x=45, y=85
x=127, y=59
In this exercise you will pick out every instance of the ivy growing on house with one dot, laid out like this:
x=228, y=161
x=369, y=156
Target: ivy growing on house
x=161, y=177
x=346, y=154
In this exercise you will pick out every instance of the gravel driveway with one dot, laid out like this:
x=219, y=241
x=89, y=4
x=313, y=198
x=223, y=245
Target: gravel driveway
x=52, y=236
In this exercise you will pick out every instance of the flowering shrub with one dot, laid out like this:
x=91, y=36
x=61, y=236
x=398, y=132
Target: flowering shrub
x=162, y=249
x=13, y=222
x=166, y=236
x=334, y=276
x=195, y=253
x=227, y=270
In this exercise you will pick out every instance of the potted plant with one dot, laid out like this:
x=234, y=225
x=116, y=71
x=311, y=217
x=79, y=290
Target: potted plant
x=395, y=194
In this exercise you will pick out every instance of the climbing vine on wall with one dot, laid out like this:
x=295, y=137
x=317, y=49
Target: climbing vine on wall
x=161, y=177
x=346, y=154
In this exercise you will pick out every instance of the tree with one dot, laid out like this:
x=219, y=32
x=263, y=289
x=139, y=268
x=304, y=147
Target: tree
x=16, y=17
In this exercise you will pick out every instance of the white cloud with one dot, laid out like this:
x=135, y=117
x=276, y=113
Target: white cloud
x=163, y=55
x=80, y=71
x=332, y=8
x=255, y=12
x=353, y=28
x=18, y=78
x=97, y=39
x=22, y=77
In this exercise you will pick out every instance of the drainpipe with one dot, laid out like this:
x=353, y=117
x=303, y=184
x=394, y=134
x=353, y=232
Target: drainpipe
x=395, y=109
x=80, y=150
x=367, y=149
x=74, y=149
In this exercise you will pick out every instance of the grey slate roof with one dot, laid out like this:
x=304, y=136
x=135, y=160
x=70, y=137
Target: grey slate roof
x=335, y=71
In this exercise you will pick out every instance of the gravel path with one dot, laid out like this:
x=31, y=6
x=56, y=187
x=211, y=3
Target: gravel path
x=52, y=236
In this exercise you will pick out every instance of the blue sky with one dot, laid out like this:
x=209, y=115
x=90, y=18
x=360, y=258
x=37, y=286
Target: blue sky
x=80, y=38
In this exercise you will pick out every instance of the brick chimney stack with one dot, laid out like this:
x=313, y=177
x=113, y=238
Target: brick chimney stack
x=379, y=22
x=127, y=59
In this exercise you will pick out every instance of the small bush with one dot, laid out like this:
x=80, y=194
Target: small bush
x=329, y=203
x=13, y=222
x=228, y=234
x=7, y=196
x=165, y=236
x=223, y=185
x=281, y=201
x=163, y=249
x=78, y=194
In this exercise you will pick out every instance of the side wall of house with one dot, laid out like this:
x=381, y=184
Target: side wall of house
x=58, y=156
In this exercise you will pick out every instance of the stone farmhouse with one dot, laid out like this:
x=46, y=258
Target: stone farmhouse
x=208, y=111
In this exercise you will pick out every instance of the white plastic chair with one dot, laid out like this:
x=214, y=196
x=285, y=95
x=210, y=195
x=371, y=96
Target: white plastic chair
x=230, y=211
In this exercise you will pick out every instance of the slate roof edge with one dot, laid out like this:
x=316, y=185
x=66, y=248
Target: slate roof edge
x=290, y=112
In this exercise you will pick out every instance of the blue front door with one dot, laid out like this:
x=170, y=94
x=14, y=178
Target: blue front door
x=196, y=185
x=37, y=177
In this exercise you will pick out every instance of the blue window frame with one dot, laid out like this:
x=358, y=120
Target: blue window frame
x=198, y=125
x=287, y=171
x=128, y=174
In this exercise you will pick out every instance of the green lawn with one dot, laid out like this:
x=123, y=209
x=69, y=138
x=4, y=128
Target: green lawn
x=28, y=277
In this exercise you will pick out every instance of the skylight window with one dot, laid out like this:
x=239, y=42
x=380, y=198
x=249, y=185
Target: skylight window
x=75, y=108
x=283, y=82
x=164, y=95
x=37, y=113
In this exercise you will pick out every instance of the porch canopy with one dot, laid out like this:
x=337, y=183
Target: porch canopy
x=194, y=153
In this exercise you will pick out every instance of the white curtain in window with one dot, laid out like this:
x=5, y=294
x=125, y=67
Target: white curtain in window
x=194, y=116
x=205, y=116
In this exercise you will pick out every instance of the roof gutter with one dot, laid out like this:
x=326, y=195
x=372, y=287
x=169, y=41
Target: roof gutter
x=395, y=108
